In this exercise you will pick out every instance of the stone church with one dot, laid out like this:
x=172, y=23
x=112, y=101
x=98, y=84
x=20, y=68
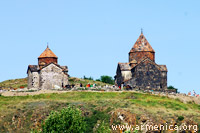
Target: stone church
x=47, y=74
x=142, y=71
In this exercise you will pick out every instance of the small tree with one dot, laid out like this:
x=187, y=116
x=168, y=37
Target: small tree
x=107, y=79
x=68, y=120
x=173, y=88
x=180, y=118
x=98, y=80
x=89, y=78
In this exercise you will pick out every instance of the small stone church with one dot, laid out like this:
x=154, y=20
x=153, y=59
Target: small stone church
x=142, y=71
x=47, y=74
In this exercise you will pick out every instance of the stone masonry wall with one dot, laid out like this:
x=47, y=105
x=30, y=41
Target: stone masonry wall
x=47, y=60
x=147, y=75
x=139, y=55
x=33, y=79
x=52, y=75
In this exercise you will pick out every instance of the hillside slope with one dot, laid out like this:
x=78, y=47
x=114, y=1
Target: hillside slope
x=25, y=113
x=13, y=83
x=17, y=83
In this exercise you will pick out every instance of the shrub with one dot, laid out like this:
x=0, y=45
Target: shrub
x=68, y=120
x=98, y=116
x=89, y=78
x=172, y=88
x=107, y=79
x=98, y=80
x=180, y=118
x=102, y=128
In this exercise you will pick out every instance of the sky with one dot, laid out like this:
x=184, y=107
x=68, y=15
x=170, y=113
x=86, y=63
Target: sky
x=92, y=36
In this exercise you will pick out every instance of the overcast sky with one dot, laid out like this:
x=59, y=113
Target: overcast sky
x=92, y=36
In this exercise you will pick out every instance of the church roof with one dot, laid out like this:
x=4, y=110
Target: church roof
x=33, y=68
x=47, y=53
x=163, y=68
x=124, y=66
x=133, y=61
x=142, y=45
x=64, y=68
x=160, y=67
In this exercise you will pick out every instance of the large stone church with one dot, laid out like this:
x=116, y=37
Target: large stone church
x=47, y=74
x=142, y=71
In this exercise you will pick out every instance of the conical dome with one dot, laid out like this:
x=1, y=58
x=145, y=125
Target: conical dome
x=47, y=53
x=47, y=57
x=142, y=45
x=141, y=49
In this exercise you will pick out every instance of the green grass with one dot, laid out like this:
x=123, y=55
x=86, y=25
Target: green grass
x=96, y=106
x=77, y=81
x=17, y=83
x=14, y=83
x=157, y=101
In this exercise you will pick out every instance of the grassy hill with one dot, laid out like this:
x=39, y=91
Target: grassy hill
x=17, y=83
x=77, y=81
x=25, y=113
x=13, y=83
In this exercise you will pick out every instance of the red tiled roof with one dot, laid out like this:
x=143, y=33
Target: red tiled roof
x=47, y=53
x=142, y=45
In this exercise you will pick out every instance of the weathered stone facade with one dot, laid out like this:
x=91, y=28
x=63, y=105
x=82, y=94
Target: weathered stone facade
x=47, y=74
x=142, y=71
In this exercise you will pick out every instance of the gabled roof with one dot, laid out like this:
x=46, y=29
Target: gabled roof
x=160, y=67
x=64, y=68
x=142, y=45
x=144, y=59
x=163, y=68
x=133, y=61
x=33, y=68
x=47, y=53
x=124, y=66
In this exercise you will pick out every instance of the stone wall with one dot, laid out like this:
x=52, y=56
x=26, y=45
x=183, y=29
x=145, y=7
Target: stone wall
x=47, y=60
x=118, y=77
x=33, y=79
x=123, y=76
x=147, y=75
x=52, y=76
x=65, y=80
x=164, y=79
x=141, y=54
x=126, y=75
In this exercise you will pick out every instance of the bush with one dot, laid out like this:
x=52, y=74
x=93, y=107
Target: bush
x=172, y=88
x=68, y=120
x=89, y=78
x=96, y=117
x=102, y=128
x=180, y=118
x=98, y=80
x=107, y=79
